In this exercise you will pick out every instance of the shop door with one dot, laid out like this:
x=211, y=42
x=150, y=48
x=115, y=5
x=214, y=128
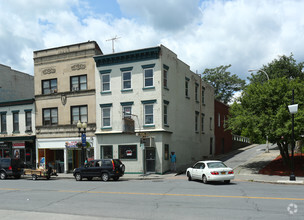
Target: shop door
x=150, y=160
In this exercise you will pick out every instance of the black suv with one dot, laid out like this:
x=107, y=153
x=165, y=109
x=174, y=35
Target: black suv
x=106, y=169
x=10, y=167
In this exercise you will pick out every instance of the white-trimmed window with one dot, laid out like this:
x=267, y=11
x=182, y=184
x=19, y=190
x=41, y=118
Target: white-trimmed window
x=127, y=111
x=126, y=80
x=148, y=77
x=165, y=78
x=106, y=117
x=105, y=82
x=148, y=112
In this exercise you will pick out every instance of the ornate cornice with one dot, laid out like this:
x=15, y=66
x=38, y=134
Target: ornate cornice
x=127, y=57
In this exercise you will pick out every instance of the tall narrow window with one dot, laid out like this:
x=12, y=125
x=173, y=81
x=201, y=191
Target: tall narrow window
x=78, y=83
x=28, y=121
x=3, y=122
x=203, y=95
x=211, y=145
x=148, y=77
x=219, y=120
x=166, y=151
x=50, y=116
x=15, y=122
x=148, y=112
x=49, y=86
x=165, y=114
x=79, y=113
x=196, y=92
x=196, y=121
x=187, y=87
x=202, y=124
x=126, y=80
x=210, y=123
x=106, y=117
x=165, y=78
x=105, y=82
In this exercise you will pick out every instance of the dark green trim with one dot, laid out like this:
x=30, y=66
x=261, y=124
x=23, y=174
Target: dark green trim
x=106, y=128
x=150, y=87
x=28, y=110
x=105, y=92
x=166, y=102
x=196, y=84
x=105, y=105
x=149, y=126
x=127, y=57
x=148, y=101
x=186, y=78
x=148, y=66
x=17, y=102
x=126, y=103
x=19, y=138
x=126, y=69
x=105, y=71
x=165, y=67
x=126, y=90
x=133, y=172
x=15, y=111
x=3, y=113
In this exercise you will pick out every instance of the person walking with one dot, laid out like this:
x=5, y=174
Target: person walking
x=173, y=162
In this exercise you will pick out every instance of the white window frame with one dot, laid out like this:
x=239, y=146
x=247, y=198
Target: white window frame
x=145, y=78
x=103, y=83
x=123, y=111
x=109, y=117
x=122, y=78
x=165, y=74
x=145, y=122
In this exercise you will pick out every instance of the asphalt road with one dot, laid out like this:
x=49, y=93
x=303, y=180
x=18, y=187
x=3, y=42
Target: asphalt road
x=172, y=198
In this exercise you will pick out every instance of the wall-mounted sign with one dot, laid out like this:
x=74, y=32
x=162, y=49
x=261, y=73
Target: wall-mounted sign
x=71, y=144
x=129, y=153
x=19, y=145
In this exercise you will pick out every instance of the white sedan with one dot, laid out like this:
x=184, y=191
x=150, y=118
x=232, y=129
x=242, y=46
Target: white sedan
x=210, y=170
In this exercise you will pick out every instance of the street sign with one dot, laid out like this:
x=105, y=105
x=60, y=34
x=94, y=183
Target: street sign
x=83, y=139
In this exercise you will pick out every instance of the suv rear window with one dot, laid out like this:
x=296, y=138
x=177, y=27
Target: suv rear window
x=5, y=162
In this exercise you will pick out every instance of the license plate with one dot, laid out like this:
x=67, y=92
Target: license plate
x=223, y=173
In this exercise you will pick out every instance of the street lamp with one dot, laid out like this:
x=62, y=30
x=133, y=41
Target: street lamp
x=256, y=70
x=293, y=109
x=83, y=138
x=262, y=72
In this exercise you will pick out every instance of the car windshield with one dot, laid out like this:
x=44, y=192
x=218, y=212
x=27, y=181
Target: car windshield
x=216, y=165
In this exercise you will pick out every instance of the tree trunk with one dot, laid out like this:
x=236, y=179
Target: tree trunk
x=284, y=152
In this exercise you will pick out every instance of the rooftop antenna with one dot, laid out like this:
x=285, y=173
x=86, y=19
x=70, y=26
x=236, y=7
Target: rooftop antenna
x=113, y=39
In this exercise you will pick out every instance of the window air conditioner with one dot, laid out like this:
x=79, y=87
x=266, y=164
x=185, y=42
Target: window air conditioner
x=147, y=141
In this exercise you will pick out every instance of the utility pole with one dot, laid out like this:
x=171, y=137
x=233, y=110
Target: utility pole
x=113, y=39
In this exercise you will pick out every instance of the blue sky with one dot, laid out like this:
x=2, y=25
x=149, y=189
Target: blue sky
x=203, y=33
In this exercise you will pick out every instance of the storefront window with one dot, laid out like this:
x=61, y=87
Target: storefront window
x=127, y=151
x=106, y=152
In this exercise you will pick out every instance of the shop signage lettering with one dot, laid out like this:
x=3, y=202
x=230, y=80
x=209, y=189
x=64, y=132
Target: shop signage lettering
x=19, y=145
x=71, y=144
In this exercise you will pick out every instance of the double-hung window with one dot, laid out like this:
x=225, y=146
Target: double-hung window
x=149, y=119
x=3, y=122
x=196, y=92
x=187, y=87
x=166, y=106
x=126, y=80
x=49, y=86
x=149, y=77
x=105, y=83
x=15, y=121
x=127, y=111
x=28, y=120
x=79, y=113
x=78, y=83
x=106, y=115
x=50, y=116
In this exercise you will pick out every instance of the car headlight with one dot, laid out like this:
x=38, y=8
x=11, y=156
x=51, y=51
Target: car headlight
x=74, y=170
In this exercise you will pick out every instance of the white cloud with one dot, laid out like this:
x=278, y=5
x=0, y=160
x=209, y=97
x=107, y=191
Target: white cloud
x=204, y=34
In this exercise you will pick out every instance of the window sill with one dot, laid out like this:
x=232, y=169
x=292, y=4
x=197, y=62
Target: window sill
x=106, y=128
x=166, y=88
x=105, y=92
x=3, y=132
x=127, y=90
x=149, y=126
x=146, y=88
x=167, y=126
x=16, y=132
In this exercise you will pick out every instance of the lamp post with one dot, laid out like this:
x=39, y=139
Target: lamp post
x=293, y=109
x=256, y=70
x=83, y=138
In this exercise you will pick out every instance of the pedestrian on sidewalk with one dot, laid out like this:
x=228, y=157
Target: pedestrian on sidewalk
x=173, y=161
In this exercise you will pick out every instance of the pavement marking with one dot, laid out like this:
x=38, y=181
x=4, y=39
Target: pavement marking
x=168, y=194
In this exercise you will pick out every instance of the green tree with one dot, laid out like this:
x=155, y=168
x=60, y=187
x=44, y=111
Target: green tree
x=262, y=110
x=284, y=66
x=225, y=84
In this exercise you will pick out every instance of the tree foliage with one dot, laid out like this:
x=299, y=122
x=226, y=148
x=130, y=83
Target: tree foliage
x=262, y=110
x=225, y=84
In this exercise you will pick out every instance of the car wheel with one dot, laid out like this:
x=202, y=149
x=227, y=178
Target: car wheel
x=189, y=176
x=116, y=178
x=3, y=175
x=78, y=177
x=89, y=178
x=227, y=181
x=104, y=177
x=122, y=167
x=205, y=179
x=34, y=177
